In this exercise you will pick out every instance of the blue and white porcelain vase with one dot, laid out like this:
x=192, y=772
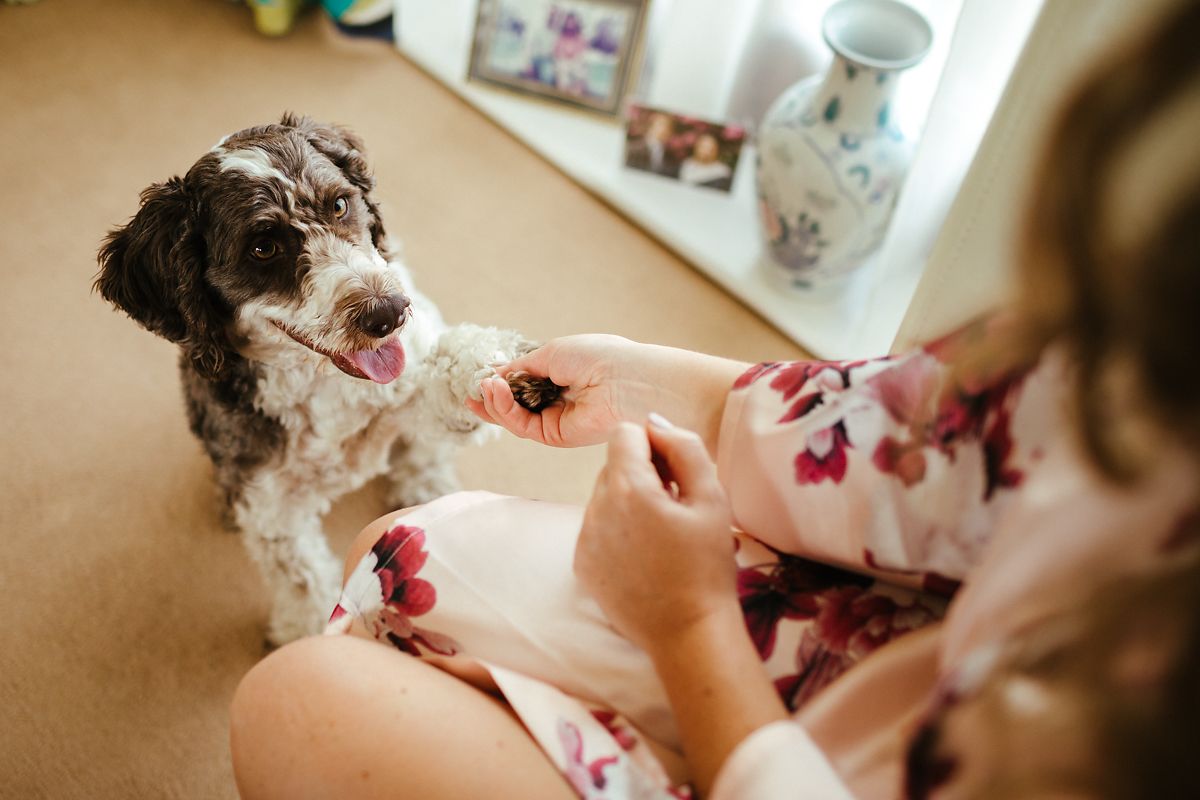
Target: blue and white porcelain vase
x=831, y=159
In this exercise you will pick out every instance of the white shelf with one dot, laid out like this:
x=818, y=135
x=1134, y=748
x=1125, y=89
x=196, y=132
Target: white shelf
x=714, y=231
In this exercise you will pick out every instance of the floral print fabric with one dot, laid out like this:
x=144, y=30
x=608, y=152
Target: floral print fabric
x=900, y=464
x=385, y=592
x=810, y=622
x=867, y=491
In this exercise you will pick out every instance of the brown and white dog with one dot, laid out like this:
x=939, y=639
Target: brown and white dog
x=310, y=364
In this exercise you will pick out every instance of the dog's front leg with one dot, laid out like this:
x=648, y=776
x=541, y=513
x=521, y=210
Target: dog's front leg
x=282, y=532
x=464, y=356
x=423, y=460
x=422, y=469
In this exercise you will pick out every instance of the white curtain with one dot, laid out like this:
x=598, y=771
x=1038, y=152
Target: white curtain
x=970, y=268
x=986, y=43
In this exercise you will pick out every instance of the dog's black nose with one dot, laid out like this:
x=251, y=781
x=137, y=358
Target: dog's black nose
x=381, y=318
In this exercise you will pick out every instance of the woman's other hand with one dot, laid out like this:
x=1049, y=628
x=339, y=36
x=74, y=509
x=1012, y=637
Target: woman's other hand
x=656, y=550
x=608, y=380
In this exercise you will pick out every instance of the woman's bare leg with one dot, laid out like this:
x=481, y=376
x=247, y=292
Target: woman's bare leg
x=344, y=717
x=340, y=717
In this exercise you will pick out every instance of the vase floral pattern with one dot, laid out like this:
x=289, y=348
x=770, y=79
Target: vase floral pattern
x=830, y=162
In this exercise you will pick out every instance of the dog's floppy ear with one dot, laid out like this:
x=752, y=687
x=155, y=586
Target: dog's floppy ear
x=152, y=269
x=346, y=150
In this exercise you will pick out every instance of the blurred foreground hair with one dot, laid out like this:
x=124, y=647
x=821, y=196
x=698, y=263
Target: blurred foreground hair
x=1110, y=270
x=1110, y=260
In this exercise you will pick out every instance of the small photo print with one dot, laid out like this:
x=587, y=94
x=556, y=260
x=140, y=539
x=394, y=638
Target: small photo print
x=690, y=150
x=578, y=52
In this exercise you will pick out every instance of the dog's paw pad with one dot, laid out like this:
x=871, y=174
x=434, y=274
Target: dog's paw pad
x=533, y=393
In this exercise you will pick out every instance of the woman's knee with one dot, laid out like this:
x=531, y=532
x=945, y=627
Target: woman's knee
x=337, y=716
x=288, y=716
x=278, y=698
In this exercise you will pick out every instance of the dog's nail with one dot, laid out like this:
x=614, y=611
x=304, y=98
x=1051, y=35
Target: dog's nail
x=659, y=421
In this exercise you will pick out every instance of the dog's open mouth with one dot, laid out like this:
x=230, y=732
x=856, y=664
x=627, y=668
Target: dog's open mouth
x=382, y=365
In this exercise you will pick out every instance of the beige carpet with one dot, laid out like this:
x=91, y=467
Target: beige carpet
x=128, y=614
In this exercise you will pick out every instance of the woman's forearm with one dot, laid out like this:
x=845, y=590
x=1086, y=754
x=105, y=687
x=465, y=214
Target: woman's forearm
x=691, y=388
x=718, y=688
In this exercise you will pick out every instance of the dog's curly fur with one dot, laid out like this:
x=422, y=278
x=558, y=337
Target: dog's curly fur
x=269, y=266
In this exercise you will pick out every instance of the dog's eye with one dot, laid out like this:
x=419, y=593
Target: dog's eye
x=340, y=207
x=264, y=248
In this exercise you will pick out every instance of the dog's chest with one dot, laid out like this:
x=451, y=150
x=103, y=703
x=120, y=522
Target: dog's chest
x=339, y=430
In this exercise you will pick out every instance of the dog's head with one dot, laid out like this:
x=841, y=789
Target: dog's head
x=271, y=241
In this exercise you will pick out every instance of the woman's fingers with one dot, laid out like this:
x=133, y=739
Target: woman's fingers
x=499, y=395
x=499, y=406
x=477, y=408
x=658, y=455
x=506, y=412
x=536, y=363
x=629, y=456
x=686, y=458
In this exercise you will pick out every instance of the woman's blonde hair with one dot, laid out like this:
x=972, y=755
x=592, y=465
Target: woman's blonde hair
x=1121, y=670
x=1116, y=282
x=1099, y=704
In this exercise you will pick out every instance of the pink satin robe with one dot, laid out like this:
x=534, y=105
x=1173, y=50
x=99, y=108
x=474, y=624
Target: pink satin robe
x=868, y=491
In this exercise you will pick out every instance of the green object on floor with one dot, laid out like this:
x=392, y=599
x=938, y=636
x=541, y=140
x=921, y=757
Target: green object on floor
x=276, y=17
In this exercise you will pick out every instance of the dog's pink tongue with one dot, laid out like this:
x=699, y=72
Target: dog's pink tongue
x=383, y=365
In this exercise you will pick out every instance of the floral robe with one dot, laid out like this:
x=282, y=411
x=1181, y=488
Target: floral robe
x=867, y=491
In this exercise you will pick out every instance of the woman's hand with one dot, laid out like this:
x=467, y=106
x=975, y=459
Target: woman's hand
x=609, y=380
x=656, y=552
x=656, y=549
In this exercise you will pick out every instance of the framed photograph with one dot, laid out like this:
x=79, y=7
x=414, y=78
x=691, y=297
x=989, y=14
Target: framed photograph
x=578, y=52
x=693, y=151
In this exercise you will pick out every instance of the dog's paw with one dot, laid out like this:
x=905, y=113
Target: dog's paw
x=466, y=355
x=533, y=393
x=474, y=388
